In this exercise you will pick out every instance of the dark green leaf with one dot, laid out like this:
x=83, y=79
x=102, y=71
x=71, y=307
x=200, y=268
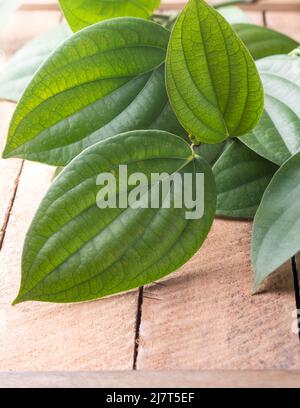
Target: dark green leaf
x=104, y=80
x=212, y=80
x=22, y=66
x=242, y=178
x=75, y=251
x=276, y=235
x=211, y=152
x=277, y=135
x=264, y=42
x=83, y=13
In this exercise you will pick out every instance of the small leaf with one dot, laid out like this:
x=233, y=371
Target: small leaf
x=277, y=135
x=262, y=41
x=83, y=13
x=75, y=251
x=212, y=80
x=234, y=15
x=104, y=80
x=276, y=235
x=22, y=66
x=242, y=178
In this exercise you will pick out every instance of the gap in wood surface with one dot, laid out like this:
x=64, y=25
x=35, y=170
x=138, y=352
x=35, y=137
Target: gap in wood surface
x=139, y=313
x=266, y=18
x=297, y=290
x=10, y=206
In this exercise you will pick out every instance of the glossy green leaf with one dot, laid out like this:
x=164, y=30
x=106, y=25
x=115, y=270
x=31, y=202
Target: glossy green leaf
x=277, y=135
x=212, y=80
x=7, y=7
x=83, y=13
x=276, y=235
x=104, y=80
x=211, y=152
x=264, y=42
x=242, y=177
x=75, y=251
x=22, y=66
x=234, y=15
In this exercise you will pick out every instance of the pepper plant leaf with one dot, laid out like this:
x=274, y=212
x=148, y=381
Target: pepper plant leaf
x=263, y=42
x=22, y=66
x=277, y=135
x=242, y=177
x=104, y=80
x=83, y=13
x=212, y=80
x=276, y=235
x=75, y=251
x=211, y=152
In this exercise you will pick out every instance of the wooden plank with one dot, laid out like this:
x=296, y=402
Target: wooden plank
x=12, y=37
x=259, y=5
x=10, y=40
x=90, y=336
x=10, y=171
x=35, y=336
x=204, y=317
x=288, y=23
x=153, y=379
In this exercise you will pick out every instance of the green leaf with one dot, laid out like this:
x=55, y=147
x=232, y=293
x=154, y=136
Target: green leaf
x=211, y=152
x=277, y=135
x=234, y=15
x=7, y=7
x=242, y=178
x=264, y=42
x=22, y=66
x=83, y=13
x=276, y=235
x=104, y=80
x=75, y=251
x=212, y=80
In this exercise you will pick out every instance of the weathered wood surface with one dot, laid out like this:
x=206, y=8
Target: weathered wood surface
x=201, y=317
x=155, y=379
x=90, y=336
x=261, y=5
x=204, y=315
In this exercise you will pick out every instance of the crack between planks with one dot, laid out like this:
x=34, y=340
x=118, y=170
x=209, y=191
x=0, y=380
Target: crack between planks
x=297, y=291
x=139, y=312
x=10, y=206
x=293, y=260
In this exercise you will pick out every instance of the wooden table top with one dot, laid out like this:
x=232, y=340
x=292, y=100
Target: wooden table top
x=202, y=317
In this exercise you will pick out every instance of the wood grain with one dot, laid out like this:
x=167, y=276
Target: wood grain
x=35, y=336
x=204, y=316
x=88, y=336
x=260, y=5
x=155, y=379
x=12, y=37
x=288, y=23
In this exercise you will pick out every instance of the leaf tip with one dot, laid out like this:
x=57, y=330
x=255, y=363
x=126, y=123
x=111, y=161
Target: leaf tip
x=7, y=153
x=19, y=299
